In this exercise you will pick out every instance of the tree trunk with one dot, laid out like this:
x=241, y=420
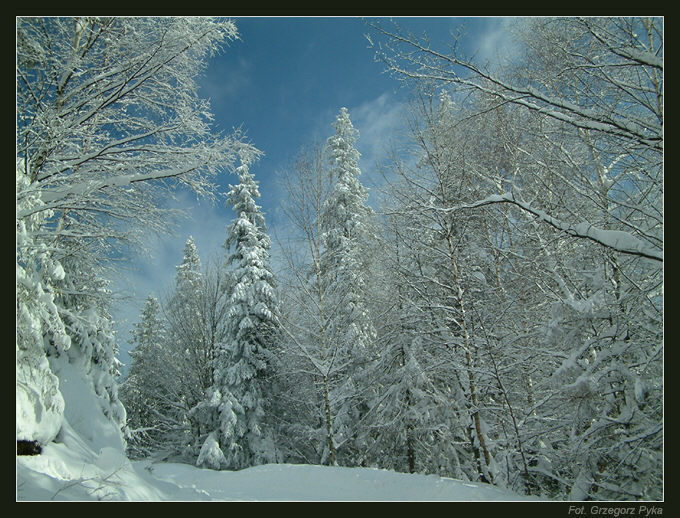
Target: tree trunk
x=329, y=430
x=468, y=359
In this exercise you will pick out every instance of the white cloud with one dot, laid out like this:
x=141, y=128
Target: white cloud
x=378, y=122
x=381, y=123
x=496, y=43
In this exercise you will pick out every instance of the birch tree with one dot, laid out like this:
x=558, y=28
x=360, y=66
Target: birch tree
x=578, y=186
x=305, y=313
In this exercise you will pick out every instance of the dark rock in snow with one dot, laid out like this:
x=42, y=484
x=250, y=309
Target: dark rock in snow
x=28, y=448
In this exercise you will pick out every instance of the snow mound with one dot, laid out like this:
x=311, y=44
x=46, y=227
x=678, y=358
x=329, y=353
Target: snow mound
x=86, y=461
x=67, y=471
x=211, y=455
x=298, y=482
x=39, y=404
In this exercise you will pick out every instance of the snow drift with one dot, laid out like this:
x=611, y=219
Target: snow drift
x=87, y=461
x=61, y=474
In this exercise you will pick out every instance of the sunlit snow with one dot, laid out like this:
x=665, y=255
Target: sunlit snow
x=87, y=462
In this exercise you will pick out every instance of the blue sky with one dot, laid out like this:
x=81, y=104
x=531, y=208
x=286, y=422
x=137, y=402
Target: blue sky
x=283, y=83
x=286, y=79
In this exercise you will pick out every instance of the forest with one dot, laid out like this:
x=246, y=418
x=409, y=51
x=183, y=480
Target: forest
x=496, y=317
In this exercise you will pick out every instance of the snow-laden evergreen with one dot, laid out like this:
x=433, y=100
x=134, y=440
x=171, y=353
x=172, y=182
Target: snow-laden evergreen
x=40, y=404
x=346, y=221
x=416, y=415
x=190, y=346
x=143, y=388
x=172, y=363
x=84, y=298
x=188, y=277
x=243, y=361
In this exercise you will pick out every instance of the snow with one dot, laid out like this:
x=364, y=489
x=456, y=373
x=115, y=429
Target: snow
x=39, y=404
x=58, y=474
x=82, y=411
x=211, y=455
x=299, y=482
x=86, y=461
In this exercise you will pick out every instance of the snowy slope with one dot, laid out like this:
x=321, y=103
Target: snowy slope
x=287, y=482
x=56, y=475
x=86, y=462
x=82, y=467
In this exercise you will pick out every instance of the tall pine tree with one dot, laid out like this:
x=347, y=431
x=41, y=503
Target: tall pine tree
x=243, y=362
x=346, y=221
x=185, y=311
x=143, y=388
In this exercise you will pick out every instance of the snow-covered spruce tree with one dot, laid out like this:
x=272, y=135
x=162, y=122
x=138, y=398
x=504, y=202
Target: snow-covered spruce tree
x=195, y=316
x=141, y=389
x=189, y=278
x=172, y=363
x=84, y=299
x=201, y=340
x=184, y=312
x=347, y=226
x=243, y=361
x=107, y=118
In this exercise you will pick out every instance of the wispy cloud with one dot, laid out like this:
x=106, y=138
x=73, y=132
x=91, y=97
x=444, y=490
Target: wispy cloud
x=378, y=121
x=496, y=42
x=381, y=123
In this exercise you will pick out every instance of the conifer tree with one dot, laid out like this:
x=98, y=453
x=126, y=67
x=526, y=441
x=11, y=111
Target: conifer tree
x=346, y=221
x=185, y=312
x=143, y=386
x=243, y=362
x=188, y=278
x=172, y=365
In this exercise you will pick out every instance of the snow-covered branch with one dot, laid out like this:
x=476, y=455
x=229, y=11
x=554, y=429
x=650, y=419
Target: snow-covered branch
x=617, y=240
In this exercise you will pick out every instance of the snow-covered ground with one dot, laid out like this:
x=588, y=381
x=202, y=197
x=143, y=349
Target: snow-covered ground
x=57, y=475
x=86, y=461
